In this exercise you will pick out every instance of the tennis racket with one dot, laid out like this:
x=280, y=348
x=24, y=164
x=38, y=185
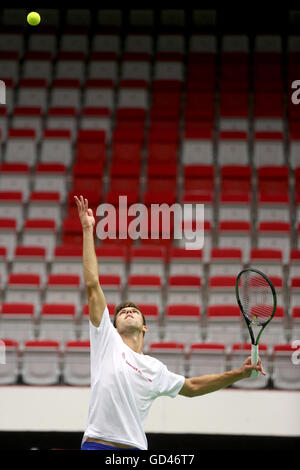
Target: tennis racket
x=257, y=300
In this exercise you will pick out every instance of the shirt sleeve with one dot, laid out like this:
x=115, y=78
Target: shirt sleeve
x=101, y=336
x=169, y=383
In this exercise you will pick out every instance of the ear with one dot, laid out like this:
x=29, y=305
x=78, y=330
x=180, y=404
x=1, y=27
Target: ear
x=145, y=328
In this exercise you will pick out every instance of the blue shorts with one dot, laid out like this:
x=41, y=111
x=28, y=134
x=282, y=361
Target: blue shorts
x=87, y=445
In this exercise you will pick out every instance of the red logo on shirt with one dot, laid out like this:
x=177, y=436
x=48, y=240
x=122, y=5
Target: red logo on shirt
x=135, y=368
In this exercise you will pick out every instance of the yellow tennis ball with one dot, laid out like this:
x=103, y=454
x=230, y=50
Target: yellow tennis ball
x=33, y=18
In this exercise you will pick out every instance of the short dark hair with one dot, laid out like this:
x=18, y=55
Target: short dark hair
x=124, y=304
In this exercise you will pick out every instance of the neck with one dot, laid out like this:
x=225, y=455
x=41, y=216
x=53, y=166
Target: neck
x=134, y=341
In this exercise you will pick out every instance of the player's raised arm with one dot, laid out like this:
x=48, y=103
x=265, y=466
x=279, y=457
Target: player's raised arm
x=96, y=299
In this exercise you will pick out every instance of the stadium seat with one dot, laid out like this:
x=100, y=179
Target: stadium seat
x=206, y=358
x=197, y=149
x=237, y=234
x=65, y=92
x=63, y=289
x=182, y=322
x=67, y=259
x=136, y=66
x=33, y=91
x=268, y=149
x=184, y=289
x=56, y=147
x=99, y=93
x=57, y=322
x=38, y=65
x=233, y=148
x=225, y=261
x=294, y=324
x=50, y=177
x=185, y=262
x=172, y=354
x=40, y=363
x=63, y=118
x=76, y=363
x=153, y=319
x=220, y=290
x=17, y=176
x=145, y=289
x=23, y=287
x=28, y=118
x=147, y=260
x=9, y=65
x=267, y=260
x=96, y=119
x=45, y=205
x=234, y=207
x=224, y=323
x=275, y=235
x=285, y=373
x=70, y=64
x=30, y=260
x=18, y=321
x=39, y=232
x=21, y=147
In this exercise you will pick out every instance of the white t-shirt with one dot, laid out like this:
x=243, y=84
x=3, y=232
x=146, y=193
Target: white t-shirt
x=123, y=387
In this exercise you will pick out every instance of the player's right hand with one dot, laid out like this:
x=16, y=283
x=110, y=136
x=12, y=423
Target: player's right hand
x=85, y=214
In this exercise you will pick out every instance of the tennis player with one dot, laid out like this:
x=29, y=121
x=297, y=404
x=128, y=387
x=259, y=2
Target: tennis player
x=124, y=381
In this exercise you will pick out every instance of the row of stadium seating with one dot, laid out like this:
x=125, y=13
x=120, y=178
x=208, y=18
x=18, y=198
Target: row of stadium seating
x=43, y=363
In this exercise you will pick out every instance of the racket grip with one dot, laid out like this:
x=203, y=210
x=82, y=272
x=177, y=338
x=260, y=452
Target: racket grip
x=254, y=358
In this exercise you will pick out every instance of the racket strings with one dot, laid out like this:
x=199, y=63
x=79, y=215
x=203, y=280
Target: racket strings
x=256, y=297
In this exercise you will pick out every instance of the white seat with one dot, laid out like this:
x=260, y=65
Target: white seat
x=286, y=373
x=32, y=91
x=74, y=43
x=42, y=42
x=17, y=321
x=235, y=43
x=9, y=65
x=203, y=43
x=268, y=43
x=63, y=289
x=40, y=233
x=234, y=208
x=30, y=260
x=56, y=147
x=145, y=289
x=170, y=43
x=172, y=355
x=15, y=176
x=57, y=323
x=28, y=118
x=139, y=70
x=99, y=94
x=50, y=178
x=197, y=151
x=182, y=323
x=103, y=68
x=65, y=93
x=8, y=236
x=233, y=148
x=41, y=363
x=235, y=234
x=141, y=17
x=38, y=65
x=24, y=288
x=76, y=363
x=132, y=98
x=62, y=119
x=224, y=322
x=138, y=43
x=275, y=235
x=77, y=17
x=12, y=42
x=106, y=43
x=268, y=149
x=70, y=65
x=168, y=70
x=206, y=358
x=21, y=147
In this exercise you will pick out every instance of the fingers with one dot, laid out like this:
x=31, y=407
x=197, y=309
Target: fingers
x=82, y=203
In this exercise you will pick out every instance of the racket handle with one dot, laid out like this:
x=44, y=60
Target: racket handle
x=254, y=358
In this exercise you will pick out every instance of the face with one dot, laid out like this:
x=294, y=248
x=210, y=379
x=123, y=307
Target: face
x=129, y=318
